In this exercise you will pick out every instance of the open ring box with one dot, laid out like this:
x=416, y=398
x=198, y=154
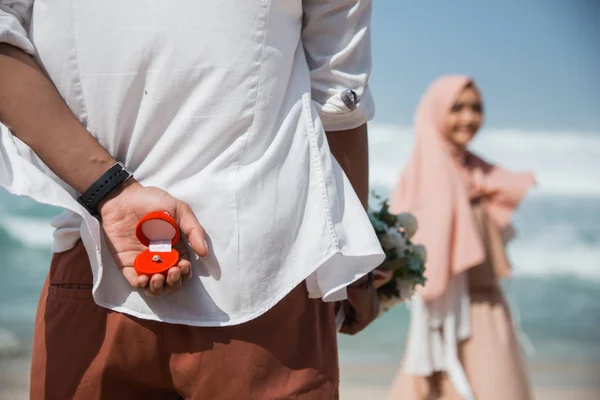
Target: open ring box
x=159, y=232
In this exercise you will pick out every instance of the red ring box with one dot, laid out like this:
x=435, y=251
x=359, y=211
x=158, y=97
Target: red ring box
x=159, y=232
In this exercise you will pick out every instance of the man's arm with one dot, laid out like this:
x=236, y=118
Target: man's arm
x=351, y=150
x=337, y=44
x=34, y=111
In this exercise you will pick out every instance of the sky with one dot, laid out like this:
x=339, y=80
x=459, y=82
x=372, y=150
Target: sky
x=537, y=62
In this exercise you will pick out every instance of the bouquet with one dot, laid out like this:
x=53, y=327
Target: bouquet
x=404, y=262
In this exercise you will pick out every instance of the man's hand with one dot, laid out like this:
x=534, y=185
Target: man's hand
x=59, y=139
x=381, y=277
x=120, y=214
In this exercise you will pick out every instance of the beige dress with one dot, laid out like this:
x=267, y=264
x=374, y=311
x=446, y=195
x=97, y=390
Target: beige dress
x=491, y=357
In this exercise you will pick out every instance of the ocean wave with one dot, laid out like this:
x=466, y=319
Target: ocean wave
x=546, y=261
x=29, y=231
x=9, y=344
x=565, y=163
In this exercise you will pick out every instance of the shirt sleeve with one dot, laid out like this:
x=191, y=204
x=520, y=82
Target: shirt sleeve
x=337, y=44
x=15, y=16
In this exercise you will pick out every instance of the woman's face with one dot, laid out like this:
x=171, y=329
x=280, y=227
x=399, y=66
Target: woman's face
x=465, y=118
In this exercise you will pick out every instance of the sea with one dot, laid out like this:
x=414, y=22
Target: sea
x=555, y=289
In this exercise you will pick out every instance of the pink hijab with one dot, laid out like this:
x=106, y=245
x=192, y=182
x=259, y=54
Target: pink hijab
x=437, y=184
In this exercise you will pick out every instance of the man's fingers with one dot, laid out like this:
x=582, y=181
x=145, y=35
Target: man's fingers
x=380, y=274
x=381, y=277
x=191, y=228
x=157, y=282
x=185, y=267
x=138, y=282
x=184, y=264
x=143, y=281
x=174, y=279
x=125, y=261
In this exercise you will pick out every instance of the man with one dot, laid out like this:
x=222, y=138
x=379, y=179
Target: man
x=219, y=109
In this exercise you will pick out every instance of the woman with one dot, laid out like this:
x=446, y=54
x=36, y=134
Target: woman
x=461, y=343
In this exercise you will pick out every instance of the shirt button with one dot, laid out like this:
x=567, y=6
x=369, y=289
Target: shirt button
x=349, y=98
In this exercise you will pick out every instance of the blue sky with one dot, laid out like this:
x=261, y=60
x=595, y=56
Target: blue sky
x=537, y=61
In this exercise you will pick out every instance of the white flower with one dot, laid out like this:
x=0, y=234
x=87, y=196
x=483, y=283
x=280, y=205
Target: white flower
x=396, y=240
x=421, y=251
x=387, y=242
x=409, y=223
x=406, y=289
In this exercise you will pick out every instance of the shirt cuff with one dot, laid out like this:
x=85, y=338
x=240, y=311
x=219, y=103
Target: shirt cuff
x=337, y=115
x=13, y=33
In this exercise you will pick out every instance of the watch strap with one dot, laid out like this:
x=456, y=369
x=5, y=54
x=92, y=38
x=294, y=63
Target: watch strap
x=109, y=181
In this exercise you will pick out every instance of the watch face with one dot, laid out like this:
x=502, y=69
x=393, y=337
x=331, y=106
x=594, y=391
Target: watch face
x=349, y=98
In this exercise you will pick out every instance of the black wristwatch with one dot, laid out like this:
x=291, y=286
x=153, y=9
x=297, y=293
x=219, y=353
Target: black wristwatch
x=91, y=198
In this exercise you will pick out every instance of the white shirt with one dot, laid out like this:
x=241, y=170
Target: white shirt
x=224, y=104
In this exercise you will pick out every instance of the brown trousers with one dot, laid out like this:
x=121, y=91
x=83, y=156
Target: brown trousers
x=84, y=351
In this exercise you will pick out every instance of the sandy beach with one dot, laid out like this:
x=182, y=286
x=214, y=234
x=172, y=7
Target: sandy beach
x=370, y=381
x=551, y=382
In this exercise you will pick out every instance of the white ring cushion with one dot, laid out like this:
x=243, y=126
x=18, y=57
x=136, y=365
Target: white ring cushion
x=160, y=234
